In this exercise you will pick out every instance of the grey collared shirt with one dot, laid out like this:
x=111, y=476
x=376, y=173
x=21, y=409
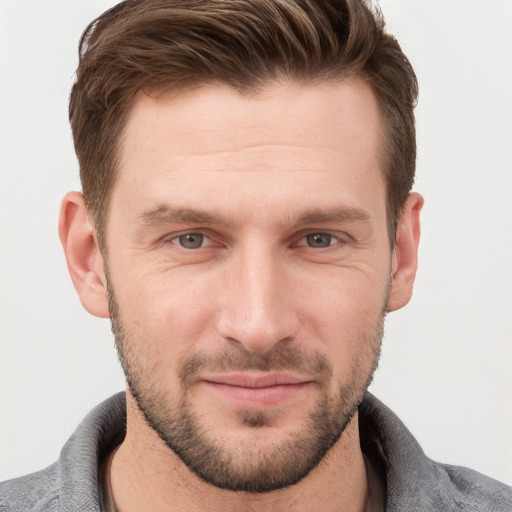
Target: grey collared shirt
x=413, y=481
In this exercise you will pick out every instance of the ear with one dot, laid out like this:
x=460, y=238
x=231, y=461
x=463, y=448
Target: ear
x=85, y=262
x=405, y=255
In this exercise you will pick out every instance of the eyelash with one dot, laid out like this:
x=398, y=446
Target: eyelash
x=173, y=240
x=337, y=239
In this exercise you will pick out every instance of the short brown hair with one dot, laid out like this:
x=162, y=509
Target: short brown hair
x=150, y=44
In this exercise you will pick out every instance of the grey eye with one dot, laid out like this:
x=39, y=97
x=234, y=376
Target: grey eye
x=319, y=240
x=191, y=240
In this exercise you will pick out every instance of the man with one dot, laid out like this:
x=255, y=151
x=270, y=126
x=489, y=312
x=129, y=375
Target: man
x=246, y=223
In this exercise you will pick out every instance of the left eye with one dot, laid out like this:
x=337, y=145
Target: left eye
x=191, y=240
x=319, y=240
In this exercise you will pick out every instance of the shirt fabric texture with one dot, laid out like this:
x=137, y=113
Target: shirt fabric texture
x=414, y=482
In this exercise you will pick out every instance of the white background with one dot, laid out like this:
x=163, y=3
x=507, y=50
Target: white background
x=446, y=368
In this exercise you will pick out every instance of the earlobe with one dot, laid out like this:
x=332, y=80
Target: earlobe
x=83, y=256
x=405, y=255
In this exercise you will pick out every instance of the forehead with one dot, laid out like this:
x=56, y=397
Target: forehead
x=216, y=117
x=277, y=145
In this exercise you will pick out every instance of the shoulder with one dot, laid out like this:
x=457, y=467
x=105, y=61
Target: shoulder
x=473, y=491
x=71, y=483
x=35, y=492
x=416, y=482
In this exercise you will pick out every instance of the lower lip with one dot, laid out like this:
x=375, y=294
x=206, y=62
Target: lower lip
x=257, y=397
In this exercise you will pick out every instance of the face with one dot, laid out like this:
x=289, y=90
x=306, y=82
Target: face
x=248, y=270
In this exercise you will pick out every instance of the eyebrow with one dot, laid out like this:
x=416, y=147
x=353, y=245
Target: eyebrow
x=165, y=214
x=343, y=214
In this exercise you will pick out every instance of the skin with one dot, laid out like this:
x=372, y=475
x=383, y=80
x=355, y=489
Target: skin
x=259, y=166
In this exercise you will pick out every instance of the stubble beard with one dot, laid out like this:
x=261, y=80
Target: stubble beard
x=249, y=467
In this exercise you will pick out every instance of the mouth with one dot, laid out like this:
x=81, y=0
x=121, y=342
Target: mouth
x=256, y=391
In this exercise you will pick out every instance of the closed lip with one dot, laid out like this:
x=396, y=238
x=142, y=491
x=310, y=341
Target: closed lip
x=256, y=381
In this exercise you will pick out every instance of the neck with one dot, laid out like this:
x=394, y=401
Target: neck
x=146, y=475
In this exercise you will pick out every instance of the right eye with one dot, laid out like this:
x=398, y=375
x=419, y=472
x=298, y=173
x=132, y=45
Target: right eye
x=191, y=241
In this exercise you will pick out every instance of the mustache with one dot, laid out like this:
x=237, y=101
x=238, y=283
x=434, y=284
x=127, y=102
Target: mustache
x=237, y=358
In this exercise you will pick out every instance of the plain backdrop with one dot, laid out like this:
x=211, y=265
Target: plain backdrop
x=446, y=368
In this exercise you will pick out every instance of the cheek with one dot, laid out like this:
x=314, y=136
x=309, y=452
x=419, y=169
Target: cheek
x=344, y=296
x=345, y=315
x=165, y=314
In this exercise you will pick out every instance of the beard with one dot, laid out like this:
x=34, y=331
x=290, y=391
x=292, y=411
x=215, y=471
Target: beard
x=253, y=464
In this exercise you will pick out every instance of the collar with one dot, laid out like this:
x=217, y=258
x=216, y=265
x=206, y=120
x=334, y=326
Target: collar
x=414, y=482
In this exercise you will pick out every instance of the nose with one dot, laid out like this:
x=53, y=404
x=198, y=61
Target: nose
x=257, y=308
